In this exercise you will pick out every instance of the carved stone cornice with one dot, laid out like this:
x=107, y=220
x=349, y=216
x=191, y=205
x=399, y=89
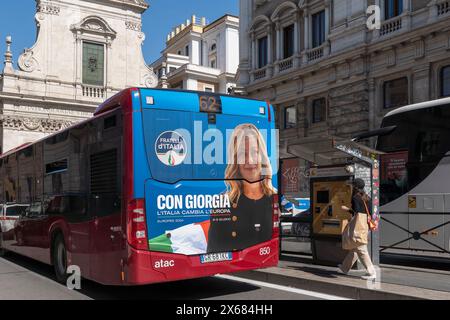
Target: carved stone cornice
x=48, y=9
x=140, y=5
x=94, y=25
x=20, y=123
x=134, y=26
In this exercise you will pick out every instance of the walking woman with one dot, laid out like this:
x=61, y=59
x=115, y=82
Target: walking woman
x=356, y=235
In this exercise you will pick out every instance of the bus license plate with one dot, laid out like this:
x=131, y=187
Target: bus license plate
x=216, y=257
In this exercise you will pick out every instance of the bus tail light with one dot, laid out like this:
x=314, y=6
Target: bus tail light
x=269, y=113
x=136, y=225
x=276, y=216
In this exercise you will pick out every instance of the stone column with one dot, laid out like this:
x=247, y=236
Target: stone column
x=279, y=41
x=307, y=28
x=254, y=62
x=406, y=20
x=269, y=51
x=245, y=45
x=296, y=34
x=269, y=45
x=108, y=62
x=378, y=3
x=372, y=103
x=79, y=62
x=421, y=84
x=301, y=117
x=297, y=61
x=78, y=65
x=406, y=5
x=307, y=35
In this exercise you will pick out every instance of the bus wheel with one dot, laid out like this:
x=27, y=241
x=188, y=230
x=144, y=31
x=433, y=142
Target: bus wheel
x=59, y=259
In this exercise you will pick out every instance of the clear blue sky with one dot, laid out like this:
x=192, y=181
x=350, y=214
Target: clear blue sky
x=17, y=20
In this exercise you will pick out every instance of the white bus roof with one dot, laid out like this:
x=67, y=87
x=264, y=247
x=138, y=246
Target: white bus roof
x=418, y=106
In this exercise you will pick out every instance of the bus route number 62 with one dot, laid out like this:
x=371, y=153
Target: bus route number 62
x=210, y=104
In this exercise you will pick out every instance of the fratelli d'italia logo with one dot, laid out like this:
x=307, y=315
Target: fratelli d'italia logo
x=171, y=148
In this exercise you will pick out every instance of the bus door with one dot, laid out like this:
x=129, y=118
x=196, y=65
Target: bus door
x=426, y=221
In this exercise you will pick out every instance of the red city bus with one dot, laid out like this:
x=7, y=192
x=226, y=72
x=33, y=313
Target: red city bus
x=124, y=197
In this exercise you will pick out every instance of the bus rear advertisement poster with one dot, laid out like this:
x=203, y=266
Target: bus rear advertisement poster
x=187, y=220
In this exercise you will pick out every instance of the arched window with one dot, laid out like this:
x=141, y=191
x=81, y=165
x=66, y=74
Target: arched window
x=260, y=31
x=94, y=36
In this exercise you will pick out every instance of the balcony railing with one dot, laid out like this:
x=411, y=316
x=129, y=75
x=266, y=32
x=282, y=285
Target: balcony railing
x=391, y=26
x=93, y=92
x=315, y=54
x=443, y=8
x=260, y=74
x=286, y=64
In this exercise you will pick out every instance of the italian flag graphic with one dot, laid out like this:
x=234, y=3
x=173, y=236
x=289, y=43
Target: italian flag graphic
x=188, y=240
x=171, y=159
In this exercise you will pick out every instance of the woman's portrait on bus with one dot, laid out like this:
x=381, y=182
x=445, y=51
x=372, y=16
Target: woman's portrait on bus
x=248, y=178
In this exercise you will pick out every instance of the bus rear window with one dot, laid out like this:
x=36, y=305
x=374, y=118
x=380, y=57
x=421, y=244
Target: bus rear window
x=56, y=167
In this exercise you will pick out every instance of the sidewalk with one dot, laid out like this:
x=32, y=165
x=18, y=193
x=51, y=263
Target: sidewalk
x=397, y=282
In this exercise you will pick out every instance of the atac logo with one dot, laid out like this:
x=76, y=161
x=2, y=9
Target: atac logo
x=171, y=148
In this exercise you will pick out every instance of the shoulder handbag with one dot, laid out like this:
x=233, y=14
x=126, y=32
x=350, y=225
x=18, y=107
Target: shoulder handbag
x=356, y=233
x=373, y=223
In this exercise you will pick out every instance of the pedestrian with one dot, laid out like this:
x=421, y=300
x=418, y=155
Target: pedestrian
x=356, y=235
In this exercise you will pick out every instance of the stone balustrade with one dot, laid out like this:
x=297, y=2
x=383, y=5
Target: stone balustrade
x=285, y=64
x=391, y=25
x=260, y=74
x=93, y=91
x=443, y=8
x=315, y=54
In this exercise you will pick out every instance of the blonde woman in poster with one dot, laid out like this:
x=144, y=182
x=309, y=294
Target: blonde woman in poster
x=249, y=186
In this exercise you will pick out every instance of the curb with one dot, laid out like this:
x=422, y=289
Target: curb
x=346, y=291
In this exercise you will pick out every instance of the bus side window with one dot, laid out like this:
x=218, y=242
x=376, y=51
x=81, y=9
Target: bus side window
x=104, y=205
x=73, y=205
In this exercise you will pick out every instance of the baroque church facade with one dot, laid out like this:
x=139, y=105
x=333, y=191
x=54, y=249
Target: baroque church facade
x=85, y=52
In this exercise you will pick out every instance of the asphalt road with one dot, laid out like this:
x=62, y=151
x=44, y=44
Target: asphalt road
x=23, y=278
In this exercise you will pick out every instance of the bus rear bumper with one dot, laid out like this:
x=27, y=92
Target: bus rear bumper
x=145, y=267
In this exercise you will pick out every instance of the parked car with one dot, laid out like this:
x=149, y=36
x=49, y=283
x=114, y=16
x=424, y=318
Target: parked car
x=9, y=213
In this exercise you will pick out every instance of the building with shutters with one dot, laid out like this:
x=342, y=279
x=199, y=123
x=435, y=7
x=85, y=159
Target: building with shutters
x=328, y=74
